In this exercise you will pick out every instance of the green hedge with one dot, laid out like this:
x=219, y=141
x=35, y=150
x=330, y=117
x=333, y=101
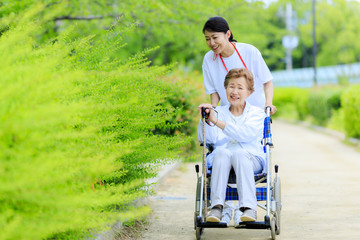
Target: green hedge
x=322, y=103
x=291, y=102
x=350, y=101
x=77, y=138
x=316, y=105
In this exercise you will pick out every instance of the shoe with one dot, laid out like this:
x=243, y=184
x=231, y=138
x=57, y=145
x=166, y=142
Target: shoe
x=214, y=215
x=249, y=215
x=226, y=215
x=237, y=216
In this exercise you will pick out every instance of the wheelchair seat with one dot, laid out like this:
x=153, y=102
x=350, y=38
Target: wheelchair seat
x=259, y=177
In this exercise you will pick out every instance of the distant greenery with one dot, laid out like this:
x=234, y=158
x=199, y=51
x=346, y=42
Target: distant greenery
x=337, y=28
x=77, y=132
x=351, y=109
x=176, y=26
x=334, y=107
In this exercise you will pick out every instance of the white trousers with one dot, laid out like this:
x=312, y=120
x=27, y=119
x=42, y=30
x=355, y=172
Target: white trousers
x=244, y=164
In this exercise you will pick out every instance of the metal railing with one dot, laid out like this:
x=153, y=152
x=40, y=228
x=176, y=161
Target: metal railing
x=304, y=77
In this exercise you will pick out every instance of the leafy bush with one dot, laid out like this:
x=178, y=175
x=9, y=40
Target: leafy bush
x=322, y=102
x=301, y=100
x=76, y=133
x=318, y=105
x=350, y=101
x=291, y=102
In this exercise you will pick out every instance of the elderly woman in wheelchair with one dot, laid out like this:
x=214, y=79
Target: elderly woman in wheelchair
x=235, y=130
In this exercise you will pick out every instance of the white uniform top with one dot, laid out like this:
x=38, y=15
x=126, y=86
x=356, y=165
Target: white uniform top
x=214, y=72
x=244, y=131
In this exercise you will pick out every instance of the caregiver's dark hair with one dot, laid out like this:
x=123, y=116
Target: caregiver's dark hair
x=218, y=24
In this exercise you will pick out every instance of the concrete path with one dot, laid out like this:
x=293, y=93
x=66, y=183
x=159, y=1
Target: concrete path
x=320, y=179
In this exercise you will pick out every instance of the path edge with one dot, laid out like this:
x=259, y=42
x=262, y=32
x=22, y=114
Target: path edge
x=162, y=175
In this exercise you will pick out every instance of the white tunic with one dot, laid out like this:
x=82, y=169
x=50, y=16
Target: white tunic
x=214, y=72
x=244, y=131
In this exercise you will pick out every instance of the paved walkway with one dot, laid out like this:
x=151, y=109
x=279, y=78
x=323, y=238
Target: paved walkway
x=320, y=191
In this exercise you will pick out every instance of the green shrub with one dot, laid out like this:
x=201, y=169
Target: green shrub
x=283, y=96
x=318, y=107
x=76, y=133
x=350, y=102
x=291, y=102
x=322, y=102
x=301, y=99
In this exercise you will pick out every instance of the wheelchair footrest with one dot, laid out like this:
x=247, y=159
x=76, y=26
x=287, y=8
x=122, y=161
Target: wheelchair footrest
x=256, y=225
x=200, y=223
x=232, y=194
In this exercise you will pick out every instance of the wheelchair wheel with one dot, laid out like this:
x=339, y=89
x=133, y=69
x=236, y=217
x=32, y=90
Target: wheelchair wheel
x=277, y=196
x=273, y=228
x=198, y=230
x=197, y=201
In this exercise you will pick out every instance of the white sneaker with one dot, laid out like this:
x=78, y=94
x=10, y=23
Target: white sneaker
x=237, y=216
x=249, y=215
x=227, y=215
x=214, y=215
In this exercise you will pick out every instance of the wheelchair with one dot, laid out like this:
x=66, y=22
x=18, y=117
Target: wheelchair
x=268, y=190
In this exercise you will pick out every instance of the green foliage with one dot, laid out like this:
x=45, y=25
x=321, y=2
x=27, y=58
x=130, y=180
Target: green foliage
x=317, y=105
x=181, y=101
x=322, y=102
x=176, y=27
x=301, y=98
x=336, y=28
x=336, y=122
x=194, y=94
x=350, y=101
x=291, y=102
x=76, y=133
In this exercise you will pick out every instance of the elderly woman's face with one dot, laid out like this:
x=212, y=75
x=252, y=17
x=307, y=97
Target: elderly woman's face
x=237, y=91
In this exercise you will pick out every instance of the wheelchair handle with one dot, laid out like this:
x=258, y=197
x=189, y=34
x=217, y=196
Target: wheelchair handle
x=197, y=168
x=268, y=110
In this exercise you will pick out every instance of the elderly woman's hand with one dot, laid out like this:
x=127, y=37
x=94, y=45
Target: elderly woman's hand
x=209, y=110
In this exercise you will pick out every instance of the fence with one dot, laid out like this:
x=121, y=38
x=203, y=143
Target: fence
x=304, y=77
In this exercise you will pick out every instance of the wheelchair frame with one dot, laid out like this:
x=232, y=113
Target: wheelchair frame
x=273, y=192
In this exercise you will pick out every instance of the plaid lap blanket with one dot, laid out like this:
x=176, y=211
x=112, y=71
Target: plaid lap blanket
x=231, y=194
x=232, y=176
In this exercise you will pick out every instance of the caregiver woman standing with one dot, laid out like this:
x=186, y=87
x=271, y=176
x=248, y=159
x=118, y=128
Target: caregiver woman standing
x=226, y=54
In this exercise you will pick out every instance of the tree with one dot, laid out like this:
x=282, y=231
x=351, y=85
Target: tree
x=336, y=32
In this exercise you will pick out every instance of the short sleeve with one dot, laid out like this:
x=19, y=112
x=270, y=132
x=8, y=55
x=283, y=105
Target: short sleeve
x=208, y=82
x=261, y=70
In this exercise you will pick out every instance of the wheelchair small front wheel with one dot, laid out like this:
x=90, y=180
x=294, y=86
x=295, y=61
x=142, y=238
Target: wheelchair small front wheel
x=199, y=232
x=273, y=228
